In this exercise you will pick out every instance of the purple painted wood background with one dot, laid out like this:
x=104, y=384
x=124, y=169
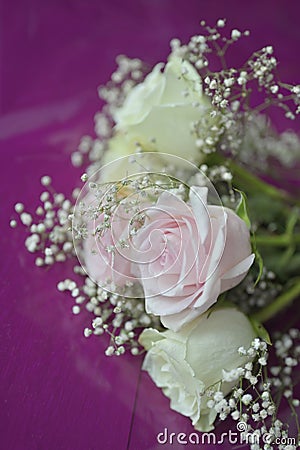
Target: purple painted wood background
x=57, y=390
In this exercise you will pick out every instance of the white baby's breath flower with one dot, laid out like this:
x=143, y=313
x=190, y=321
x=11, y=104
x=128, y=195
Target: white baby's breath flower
x=246, y=399
x=233, y=375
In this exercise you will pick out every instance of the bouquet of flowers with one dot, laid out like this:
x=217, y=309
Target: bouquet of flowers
x=182, y=245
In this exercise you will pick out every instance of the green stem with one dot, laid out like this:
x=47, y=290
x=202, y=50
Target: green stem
x=247, y=181
x=278, y=304
x=281, y=240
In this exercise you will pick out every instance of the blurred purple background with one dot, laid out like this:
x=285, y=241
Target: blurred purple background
x=57, y=390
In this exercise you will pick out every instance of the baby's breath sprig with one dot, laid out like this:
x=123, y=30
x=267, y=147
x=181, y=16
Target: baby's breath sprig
x=49, y=229
x=233, y=124
x=235, y=108
x=254, y=402
x=251, y=296
x=120, y=316
x=231, y=87
x=233, y=121
x=128, y=74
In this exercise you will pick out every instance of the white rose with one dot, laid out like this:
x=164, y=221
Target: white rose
x=159, y=112
x=121, y=160
x=115, y=166
x=185, y=364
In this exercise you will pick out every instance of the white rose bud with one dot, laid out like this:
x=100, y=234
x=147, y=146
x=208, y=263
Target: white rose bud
x=185, y=364
x=159, y=112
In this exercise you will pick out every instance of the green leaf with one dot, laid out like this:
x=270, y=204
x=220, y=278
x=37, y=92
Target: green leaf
x=258, y=259
x=260, y=330
x=242, y=209
x=260, y=262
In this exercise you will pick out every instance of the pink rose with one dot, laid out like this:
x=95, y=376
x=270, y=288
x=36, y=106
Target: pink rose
x=188, y=254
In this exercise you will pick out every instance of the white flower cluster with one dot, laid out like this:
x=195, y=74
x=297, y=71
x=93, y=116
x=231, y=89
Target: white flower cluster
x=287, y=348
x=50, y=233
x=255, y=401
x=251, y=295
x=227, y=90
x=121, y=317
x=264, y=143
x=90, y=150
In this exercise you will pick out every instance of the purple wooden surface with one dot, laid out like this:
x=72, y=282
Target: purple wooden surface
x=57, y=390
